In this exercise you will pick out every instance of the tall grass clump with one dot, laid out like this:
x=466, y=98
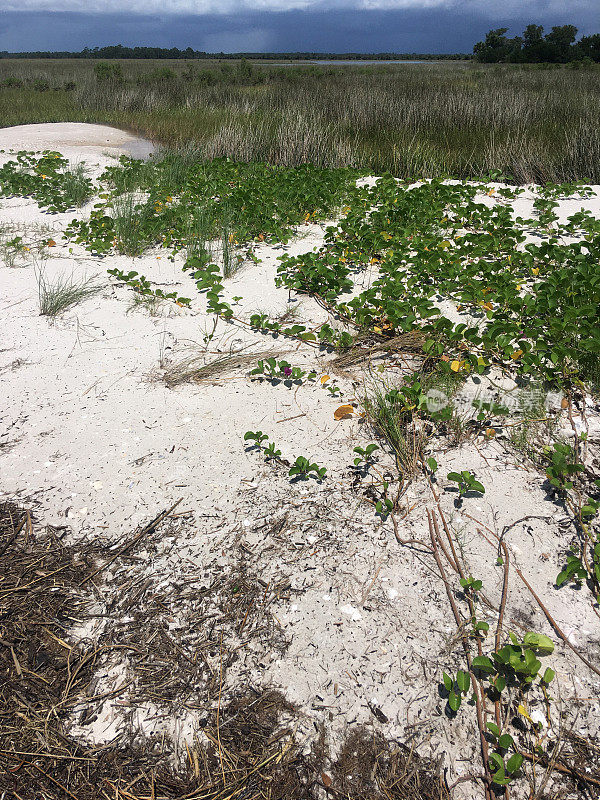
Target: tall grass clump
x=129, y=218
x=64, y=292
x=395, y=425
x=199, y=235
x=228, y=242
x=76, y=185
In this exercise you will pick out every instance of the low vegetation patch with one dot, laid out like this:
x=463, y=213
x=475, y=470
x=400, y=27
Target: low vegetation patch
x=451, y=320
x=48, y=179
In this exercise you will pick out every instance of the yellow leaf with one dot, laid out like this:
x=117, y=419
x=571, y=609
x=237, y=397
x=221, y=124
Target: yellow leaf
x=377, y=330
x=51, y=243
x=445, y=244
x=455, y=366
x=491, y=192
x=487, y=306
x=536, y=270
x=516, y=355
x=523, y=712
x=342, y=412
x=324, y=379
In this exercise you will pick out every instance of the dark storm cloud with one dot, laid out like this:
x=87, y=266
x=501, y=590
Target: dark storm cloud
x=365, y=26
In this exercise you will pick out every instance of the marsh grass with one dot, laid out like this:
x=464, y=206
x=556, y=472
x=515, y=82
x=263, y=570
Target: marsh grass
x=425, y=120
x=63, y=292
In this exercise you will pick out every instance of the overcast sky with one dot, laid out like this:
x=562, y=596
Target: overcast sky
x=436, y=26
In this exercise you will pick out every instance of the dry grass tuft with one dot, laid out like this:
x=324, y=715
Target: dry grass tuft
x=195, y=369
x=362, y=353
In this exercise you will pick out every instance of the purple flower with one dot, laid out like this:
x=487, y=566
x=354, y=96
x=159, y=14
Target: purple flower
x=287, y=371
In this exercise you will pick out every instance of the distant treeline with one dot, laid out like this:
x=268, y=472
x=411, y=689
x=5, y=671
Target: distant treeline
x=118, y=51
x=560, y=46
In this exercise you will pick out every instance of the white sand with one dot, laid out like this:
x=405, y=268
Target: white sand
x=74, y=139
x=101, y=446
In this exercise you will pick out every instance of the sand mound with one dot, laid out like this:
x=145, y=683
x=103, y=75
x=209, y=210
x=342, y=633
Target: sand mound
x=79, y=136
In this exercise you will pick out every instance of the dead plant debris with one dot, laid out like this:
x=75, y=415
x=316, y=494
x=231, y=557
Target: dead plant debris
x=245, y=746
x=196, y=367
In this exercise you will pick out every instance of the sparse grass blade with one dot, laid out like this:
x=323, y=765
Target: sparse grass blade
x=63, y=292
x=231, y=263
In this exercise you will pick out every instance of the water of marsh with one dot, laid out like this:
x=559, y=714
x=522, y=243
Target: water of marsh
x=140, y=148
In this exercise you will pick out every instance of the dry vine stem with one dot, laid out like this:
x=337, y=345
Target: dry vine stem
x=498, y=634
x=460, y=623
x=533, y=758
x=537, y=599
